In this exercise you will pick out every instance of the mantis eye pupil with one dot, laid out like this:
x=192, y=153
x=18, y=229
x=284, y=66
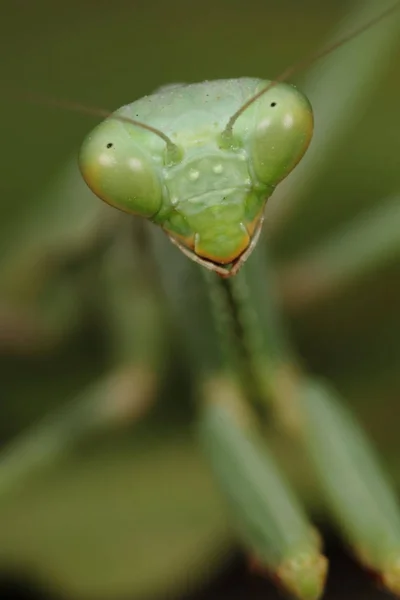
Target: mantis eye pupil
x=109, y=145
x=273, y=104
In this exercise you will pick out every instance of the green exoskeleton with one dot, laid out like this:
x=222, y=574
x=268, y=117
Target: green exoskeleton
x=205, y=186
x=201, y=161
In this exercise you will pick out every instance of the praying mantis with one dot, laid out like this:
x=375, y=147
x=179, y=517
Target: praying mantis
x=257, y=353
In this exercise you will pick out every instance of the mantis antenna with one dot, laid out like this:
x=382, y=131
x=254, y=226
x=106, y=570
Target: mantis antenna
x=172, y=148
x=302, y=64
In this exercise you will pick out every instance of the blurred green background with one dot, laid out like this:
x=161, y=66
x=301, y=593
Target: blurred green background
x=133, y=515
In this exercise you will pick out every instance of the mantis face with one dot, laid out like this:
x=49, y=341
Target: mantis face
x=209, y=194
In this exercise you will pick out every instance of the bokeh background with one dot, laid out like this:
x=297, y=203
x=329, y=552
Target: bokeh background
x=134, y=514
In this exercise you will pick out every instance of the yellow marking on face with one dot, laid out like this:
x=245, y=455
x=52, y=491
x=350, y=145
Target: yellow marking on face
x=225, y=260
x=252, y=226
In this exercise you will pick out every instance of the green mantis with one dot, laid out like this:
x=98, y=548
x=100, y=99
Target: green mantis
x=226, y=417
x=206, y=189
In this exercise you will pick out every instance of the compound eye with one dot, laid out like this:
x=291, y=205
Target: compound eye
x=282, y=133
x=118, y=171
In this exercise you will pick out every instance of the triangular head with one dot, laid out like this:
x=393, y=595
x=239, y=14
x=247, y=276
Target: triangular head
x=206, y=190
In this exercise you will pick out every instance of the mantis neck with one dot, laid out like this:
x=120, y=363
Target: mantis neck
x=248, y=325
x=230, y=303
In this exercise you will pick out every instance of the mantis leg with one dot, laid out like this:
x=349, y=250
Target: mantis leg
x=357, y=493
x=267, y=515
x=135, y=325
